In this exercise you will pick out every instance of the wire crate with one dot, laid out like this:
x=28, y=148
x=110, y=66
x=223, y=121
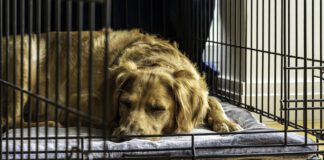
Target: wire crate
x=263, y=56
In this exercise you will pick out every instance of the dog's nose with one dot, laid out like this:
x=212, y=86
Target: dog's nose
x=120, y=136
x=126, y=138
x=121, y=139
x=124, y=135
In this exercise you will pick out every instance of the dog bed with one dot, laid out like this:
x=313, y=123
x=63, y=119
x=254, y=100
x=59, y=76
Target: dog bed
x=170, y=145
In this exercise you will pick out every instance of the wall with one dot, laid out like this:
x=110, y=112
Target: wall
x=258, y=25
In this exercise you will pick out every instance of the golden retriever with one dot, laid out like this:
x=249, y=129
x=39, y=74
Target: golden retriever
x=152, y=87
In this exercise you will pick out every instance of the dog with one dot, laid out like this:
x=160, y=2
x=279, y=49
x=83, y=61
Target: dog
x=147, y=87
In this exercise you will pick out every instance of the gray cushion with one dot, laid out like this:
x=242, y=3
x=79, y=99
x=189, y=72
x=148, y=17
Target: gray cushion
x=241, y=116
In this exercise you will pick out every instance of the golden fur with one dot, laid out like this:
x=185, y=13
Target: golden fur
x=153, y=88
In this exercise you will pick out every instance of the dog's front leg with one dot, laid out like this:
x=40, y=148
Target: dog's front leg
x=217, y=119
x=15, y=110
x=22, y=79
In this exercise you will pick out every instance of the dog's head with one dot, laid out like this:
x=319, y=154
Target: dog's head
x=156, y=101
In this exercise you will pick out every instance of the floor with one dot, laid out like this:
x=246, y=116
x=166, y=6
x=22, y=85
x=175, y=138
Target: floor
x=278, y=126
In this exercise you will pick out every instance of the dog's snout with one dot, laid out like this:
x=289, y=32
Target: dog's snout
x=131, y=132
x=128, y=132
x=136, y=130
x=124, y=135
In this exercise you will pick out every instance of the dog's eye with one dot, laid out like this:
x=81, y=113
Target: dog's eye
x=125, y=104
x=158, y=109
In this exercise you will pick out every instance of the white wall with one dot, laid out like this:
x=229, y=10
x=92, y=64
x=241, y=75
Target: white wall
x=257, y=30
x=262, y=32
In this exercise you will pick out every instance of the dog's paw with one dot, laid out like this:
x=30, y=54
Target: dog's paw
x=51, y=124
x=224, y=126
x=236, y=127
x=54, y=124
x=3, y=123
x=43, y=124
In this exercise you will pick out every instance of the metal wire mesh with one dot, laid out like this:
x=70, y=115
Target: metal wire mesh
x=262, y=55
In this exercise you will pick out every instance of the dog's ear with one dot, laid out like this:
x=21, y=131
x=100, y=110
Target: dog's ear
x=119, y=77
x=190, y=93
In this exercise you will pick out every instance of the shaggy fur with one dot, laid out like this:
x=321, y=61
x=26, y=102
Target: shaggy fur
x=153, y=88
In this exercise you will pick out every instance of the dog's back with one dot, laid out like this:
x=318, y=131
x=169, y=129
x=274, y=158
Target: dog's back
x=56, y=67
